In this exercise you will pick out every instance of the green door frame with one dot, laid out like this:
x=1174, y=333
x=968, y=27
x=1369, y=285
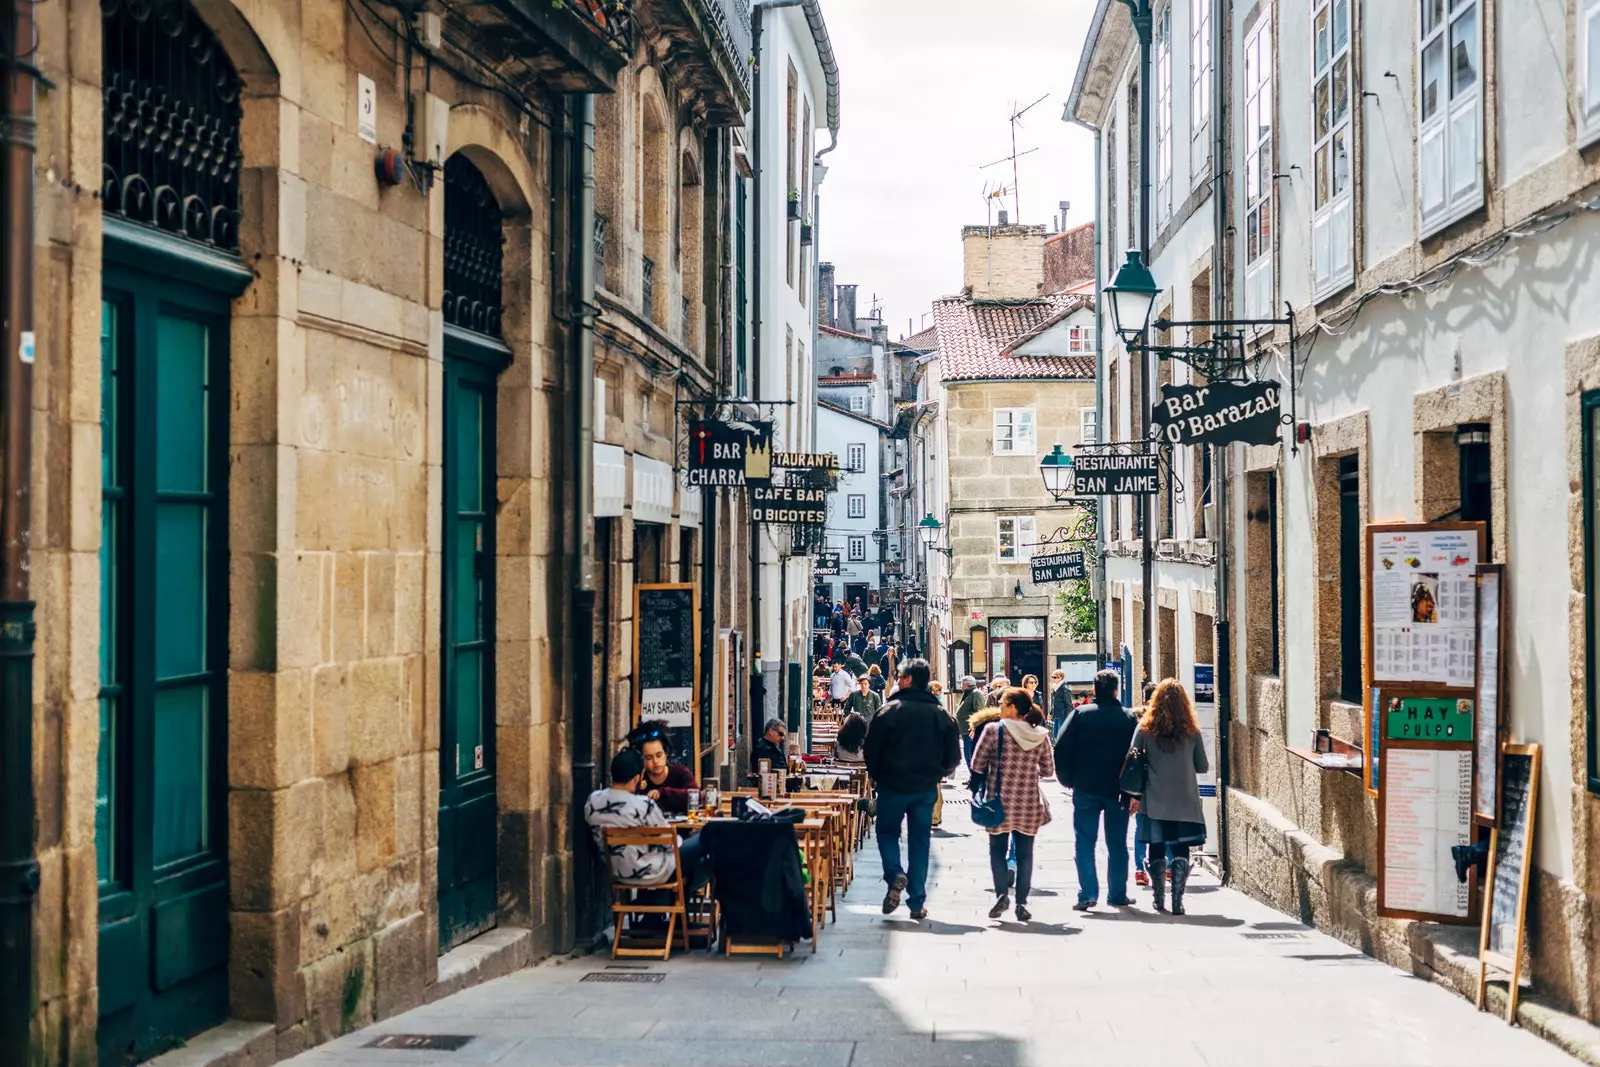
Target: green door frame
x=468, y=812
x=163, y=937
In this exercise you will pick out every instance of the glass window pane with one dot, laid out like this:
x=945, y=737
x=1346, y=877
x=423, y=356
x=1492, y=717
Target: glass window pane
x=180, y=416
x=469, y=449
x=1324, y=179
x=1432, y=15
x=1341, y=161
x=1464, y=53
x=1432, y=77
x=105, y=786
x=181, y=773
x=999, y=660
x=468, y=709
x=180, y=595
x=1320, y=55
x=110, y=551
x=110, y=323
x=1591, y=96
x=468, y=590
x=1320, y=108
x=1264, y=123
x=1341, y=24
x=1341, y=90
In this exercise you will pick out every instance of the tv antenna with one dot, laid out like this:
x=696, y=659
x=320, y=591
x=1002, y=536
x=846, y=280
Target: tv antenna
x=1016, y=184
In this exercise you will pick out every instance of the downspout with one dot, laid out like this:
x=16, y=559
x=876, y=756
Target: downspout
x=1101, y=598
x=19, y=868
x=581, y=276
x=1219, y=310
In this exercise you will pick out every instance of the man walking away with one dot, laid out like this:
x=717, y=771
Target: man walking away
x=911, y=746
x=1089, y=755
x=1060, y=701
x=971, y=704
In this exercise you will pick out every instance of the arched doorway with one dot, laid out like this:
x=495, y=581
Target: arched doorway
x=171, y=269
x=474, y=355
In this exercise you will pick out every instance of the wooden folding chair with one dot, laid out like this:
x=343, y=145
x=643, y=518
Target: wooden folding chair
x=623, y=905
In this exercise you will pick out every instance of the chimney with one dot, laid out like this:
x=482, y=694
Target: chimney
x=1003, y=262
x=880, y=333
x=825, y=294
x=845, y=319
x=1005, y=217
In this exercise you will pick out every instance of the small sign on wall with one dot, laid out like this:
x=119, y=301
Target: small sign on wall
x=366, y=109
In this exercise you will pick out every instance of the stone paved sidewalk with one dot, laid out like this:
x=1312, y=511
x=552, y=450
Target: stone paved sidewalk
x=1232, y=983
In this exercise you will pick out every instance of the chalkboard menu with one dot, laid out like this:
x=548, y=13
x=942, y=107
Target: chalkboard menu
x=1511, y=855
x=666, y=658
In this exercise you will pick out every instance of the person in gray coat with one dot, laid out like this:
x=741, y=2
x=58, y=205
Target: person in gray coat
x=1169, y=739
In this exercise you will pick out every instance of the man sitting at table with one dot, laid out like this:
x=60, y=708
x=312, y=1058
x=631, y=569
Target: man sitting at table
x=769, y=746
x=666, y=783
x=622, y=806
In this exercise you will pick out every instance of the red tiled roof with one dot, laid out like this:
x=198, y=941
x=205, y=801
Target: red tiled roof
x=924, y=340
x=846, y=379
x=976, y=339
x=843, y=333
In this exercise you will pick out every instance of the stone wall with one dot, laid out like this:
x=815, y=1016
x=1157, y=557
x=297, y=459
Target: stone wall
x=1002, y=262
x=1069, y=259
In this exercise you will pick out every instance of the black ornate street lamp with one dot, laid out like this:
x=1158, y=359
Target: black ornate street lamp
x=1133, y=294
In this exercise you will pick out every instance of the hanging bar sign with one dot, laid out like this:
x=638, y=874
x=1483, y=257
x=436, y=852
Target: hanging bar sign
x=729, y=454
x=1220, y=413
x=788, y=505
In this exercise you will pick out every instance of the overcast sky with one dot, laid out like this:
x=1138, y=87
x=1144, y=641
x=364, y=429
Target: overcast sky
x=927, y=87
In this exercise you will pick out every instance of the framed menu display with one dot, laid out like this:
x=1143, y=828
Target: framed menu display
x=1491, y=686
x=1424, y=810
x=1510, y=859
x=1422, y=600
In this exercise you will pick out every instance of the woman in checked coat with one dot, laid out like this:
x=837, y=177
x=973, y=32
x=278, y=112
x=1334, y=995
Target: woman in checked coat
x=1017, y=749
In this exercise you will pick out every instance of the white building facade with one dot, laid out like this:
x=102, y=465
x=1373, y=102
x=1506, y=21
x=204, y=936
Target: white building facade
x=853, y=510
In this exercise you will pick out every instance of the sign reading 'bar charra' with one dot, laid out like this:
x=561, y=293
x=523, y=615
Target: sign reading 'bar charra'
x=1060, y=567
x=729, y=454
x=788, y=505
x=1117, y=474
x=1220, y=413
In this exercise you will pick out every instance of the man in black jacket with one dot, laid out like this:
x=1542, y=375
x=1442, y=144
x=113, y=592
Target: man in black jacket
x=1089, y=755
x=911, y=747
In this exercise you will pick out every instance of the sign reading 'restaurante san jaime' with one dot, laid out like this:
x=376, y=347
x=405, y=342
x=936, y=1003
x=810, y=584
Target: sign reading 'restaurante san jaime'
x=1219, y=413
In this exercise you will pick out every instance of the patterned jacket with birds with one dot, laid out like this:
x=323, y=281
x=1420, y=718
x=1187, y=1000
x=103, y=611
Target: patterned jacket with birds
x=650, y=864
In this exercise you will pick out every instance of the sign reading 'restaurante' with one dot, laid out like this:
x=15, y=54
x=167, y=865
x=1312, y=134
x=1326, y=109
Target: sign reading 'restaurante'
x=1220, y=413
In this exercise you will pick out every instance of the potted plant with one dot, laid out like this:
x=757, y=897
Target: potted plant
x=794, y=204
x=805, y=233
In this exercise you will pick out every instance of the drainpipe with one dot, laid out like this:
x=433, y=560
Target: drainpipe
x=19, y=868
x=581, y=278
x=1219, y=310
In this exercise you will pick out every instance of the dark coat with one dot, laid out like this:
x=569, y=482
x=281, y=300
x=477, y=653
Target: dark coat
x=674, y=799
x=912, y=743
x=766, y=750
x=758, y=880
x=1092, y=746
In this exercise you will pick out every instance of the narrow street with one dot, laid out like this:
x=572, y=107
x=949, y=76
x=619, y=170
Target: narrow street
x=1232, y=983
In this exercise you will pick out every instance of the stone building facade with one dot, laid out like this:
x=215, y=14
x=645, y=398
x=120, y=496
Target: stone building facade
x=305, y=449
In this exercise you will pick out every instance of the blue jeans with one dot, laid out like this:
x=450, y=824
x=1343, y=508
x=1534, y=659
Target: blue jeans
x=1087, y=813
x=916, y=811
x=969, y=745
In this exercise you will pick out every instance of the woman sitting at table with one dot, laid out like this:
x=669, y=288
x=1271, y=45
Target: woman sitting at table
x=666, y=783
x=849, y=745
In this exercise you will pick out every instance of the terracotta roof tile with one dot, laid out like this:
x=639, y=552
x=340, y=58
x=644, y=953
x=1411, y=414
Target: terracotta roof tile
x=924, y=340
x=976, y=339
x=843, y=333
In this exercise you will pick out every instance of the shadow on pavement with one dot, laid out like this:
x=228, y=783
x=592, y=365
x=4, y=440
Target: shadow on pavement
x=1164, y=918
x=1047, y=929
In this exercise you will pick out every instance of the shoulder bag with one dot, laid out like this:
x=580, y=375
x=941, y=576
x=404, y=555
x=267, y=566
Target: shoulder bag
x=990, y=812
x=1135, y=770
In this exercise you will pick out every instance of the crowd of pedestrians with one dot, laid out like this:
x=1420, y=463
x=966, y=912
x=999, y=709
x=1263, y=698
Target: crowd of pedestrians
x=1118, y=764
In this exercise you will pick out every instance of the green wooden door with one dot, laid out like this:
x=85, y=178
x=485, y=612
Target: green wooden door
x=468, y=825
x=160, y=827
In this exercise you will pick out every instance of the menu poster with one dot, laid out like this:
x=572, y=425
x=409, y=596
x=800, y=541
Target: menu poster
x=1424, y=603
x=1425, y=809
x=1511, y=858
x=666, y=656
x=1487, y=741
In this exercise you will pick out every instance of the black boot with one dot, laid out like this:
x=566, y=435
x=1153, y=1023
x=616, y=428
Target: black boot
x=1180, y=882
x=1156, y=867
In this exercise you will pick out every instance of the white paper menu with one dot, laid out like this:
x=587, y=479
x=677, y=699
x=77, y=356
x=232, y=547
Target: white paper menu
x=1424, y=606
x=1427, y=811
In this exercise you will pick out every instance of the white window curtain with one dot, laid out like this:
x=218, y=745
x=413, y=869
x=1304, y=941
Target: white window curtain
x=1088, y=426
x=1589, y=70
x=1014, y=536
x=1014, y=432
x=1199, y=86
x=1450, y=110
x=1332, y=228
x=1163, y=116
x=1258, y=166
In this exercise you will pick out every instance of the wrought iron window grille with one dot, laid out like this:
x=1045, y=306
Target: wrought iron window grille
x=170, y=120
x=474, y=248
x=648, y=297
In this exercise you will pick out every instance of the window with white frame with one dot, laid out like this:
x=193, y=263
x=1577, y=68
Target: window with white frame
x=1080, y=340
x=858, y=549
x=858, y=505
x=1199, y=84
x=1450, y=130
x=1088, y=426
x=855, y=457
x=1258, y=167
x=1332, y=214
x=1014, y=432
x=1014, y=535
x=1163, y=115
x=1589, y=70
x=858, y=403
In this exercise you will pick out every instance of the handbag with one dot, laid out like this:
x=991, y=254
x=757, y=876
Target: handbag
x=990, y=812
x=1135, y=771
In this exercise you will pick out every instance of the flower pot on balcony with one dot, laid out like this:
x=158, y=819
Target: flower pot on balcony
x=794, y=208
x=805, y=233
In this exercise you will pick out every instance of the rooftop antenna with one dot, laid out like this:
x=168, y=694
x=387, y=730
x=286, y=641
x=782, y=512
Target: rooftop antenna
x=1016, y=184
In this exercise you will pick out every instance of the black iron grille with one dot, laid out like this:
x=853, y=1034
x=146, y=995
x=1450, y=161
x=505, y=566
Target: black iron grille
x=474, y=243
x=623, y=976
x=171, y=122
x=420, y=1042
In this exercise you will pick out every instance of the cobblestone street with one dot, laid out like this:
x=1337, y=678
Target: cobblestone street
x=1231, y=983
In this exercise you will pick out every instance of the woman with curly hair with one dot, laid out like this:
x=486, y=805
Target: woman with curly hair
x=1015, y=754
x=1168, y=740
